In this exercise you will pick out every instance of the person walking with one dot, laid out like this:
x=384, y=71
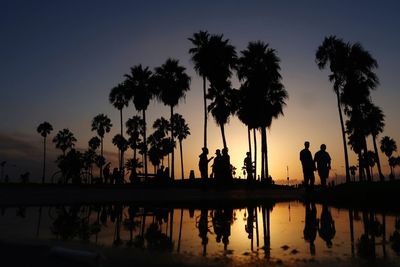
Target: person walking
x=323, y=161
x=308, y=165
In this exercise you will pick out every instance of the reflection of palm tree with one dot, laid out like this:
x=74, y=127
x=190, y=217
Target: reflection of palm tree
x=201, y=60
x=181, y=132
x=351, y=224
x=172, y=83
x=370, y=160
x=101, y=124
x=122, y=144
x=388, y=146
x=64, y=140
x=262, y=93
x=353, y=170
x=140, y=85
x=44, y=129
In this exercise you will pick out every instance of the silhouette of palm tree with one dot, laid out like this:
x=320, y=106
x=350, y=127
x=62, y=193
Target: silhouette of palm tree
x=64, y=140
x=375, y=119
x=388, y=146
x=44, y=129
x=135, y=128
x=94, y=143
x=202, y=62
x=223, y=59
x=101, y=124
x=262, y=93
x=172, y=83
x=141, y=90
x=182, y=131
x=122, y=144
x=352, y=76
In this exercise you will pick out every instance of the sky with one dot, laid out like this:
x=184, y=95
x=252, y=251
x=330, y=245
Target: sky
x=60, y=59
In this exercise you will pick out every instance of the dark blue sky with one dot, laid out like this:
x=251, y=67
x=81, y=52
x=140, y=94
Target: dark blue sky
x=59, y=59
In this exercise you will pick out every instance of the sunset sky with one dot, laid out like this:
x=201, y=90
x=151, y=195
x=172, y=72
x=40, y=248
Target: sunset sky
x=60, y=59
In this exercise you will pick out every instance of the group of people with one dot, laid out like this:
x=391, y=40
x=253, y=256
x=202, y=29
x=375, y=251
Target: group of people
x=112, y=178
x=221, y=167
x=320, y=163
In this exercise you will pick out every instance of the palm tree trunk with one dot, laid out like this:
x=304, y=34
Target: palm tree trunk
x=121, y=164
x=173, y=148
x=44, y=159
x=369, y=178
x=249, y=137
x=180, y=232
x=255, y=153
x=378, y=162
x=101, y=153
x=145, y=145
x=205, y=111
x=351, y=224
x=180, y=148
x=223, y=135
x=360, y=168
x=346, y=155
x=264, y=151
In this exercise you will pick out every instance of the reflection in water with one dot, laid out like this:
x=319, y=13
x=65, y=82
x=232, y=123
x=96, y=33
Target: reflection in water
x=264, y=232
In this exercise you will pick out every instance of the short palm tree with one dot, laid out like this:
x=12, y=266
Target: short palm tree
x=44, y=129
x=181, y=131
x=172, y=84
x=102, y=125
x=64, y=140
x=202, y=62
x=122, y=144
x=134, y=128
x=141, y=90
x=388, y=146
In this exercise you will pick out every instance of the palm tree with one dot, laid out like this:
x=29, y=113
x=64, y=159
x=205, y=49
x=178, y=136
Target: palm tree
x=223, y=60
x=94, y=143
x=388, y=146
x=122, y=144
x=370, y=160
x=119, y=98
x=202, y=62
x=141, y=90
x=181, y=132
x=134, y=128
x=64, y=140
x=172, y=83
x=44, y=129
x=101, y=124
x=352, y=76
x=262, y=92
x=353, y=170
x=376, y=122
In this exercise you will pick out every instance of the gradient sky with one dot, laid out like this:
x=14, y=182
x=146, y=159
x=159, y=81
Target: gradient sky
x=59, y=60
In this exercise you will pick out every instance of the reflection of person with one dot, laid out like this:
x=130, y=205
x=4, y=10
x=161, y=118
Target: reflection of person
x=203, y=163
x=308, y=166
x=203, y=229
x=248, y=165
x=221, y=220
x=311, y=225
x=327, y=229
x=323, y=161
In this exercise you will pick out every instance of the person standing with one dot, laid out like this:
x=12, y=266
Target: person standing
x=308, y=165
x=323, y=161
x=248, y=165
x=203, y=163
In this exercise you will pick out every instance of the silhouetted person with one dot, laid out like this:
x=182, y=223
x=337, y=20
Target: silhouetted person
x=160, y=173
x=326, y=229
x=25, y=177
x=311, y=225
x=217, y=166
x=226, y=166
x=106, y=173
x=221, y=220
x=308, y=166
x=114, y=177
x=323, y=161
x=166, y=175
x=203, y=229
x=248, y=165
x=203, y=164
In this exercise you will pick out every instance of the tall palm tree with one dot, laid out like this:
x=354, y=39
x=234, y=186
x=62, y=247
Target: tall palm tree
x=223, y=98
x=102, y=125
x=376, y=123
x=141, y=90
x=64, y=140
x=44, y=129
x=202, y=62
x=352, y=76
x=262, y=92
x=119, y=98
x=134, y=128
x=122, y=144
x=181, y=131
x=172, y=84
x=388, y=146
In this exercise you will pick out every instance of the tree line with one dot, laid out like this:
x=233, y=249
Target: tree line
x=260, y=98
